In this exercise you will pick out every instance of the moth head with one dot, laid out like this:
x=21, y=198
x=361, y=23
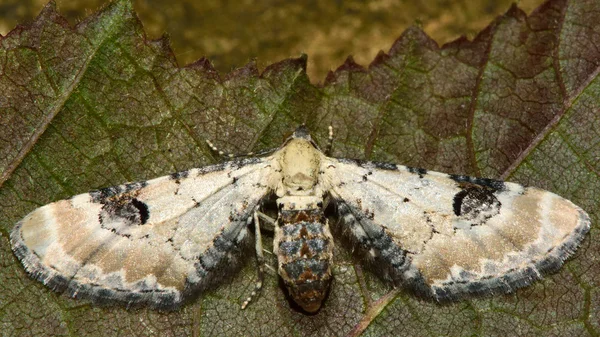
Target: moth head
x=301, y=133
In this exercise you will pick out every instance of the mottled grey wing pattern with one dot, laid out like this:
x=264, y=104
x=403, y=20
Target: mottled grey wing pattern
x=150, y=242
x=449, y=235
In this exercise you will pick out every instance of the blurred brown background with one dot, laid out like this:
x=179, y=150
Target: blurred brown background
x=230, y=33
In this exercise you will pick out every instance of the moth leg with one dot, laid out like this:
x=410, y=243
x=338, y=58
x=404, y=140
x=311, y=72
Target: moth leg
x=268, y=221
x=329, y=147
x=232, y=155
x=260, y=261
x=271, y=227
x=268, y=224
x=271, y=269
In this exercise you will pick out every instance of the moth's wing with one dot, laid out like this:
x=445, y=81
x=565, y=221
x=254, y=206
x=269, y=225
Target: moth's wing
x=150, y=243
x=448, y=235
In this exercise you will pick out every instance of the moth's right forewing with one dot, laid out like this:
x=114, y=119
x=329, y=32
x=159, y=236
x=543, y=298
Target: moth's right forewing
x=454, y=235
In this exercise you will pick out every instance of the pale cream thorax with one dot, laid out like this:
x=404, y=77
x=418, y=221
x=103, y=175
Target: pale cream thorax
x=299, y=162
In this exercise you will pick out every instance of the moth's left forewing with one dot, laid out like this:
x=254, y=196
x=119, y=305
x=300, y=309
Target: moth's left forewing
x=151, y=242
x=454, y=235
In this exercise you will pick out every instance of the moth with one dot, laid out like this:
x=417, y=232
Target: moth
x=158, y=242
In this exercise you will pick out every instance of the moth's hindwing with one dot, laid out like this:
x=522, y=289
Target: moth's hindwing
x=150, y=242
x=448, y=235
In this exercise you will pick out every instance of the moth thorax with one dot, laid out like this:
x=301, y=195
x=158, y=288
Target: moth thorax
x=300, y=162
x=304, y=248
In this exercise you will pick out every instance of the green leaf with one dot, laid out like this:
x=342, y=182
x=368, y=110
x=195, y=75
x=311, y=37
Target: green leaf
x=98, y=104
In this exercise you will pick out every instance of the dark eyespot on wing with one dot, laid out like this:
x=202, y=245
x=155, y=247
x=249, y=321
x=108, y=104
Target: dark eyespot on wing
x=476, y=204
x=472, y=199
x=142, y=210
x=126, y=208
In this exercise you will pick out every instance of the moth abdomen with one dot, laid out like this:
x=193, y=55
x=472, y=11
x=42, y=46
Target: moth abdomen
x=304, y=247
